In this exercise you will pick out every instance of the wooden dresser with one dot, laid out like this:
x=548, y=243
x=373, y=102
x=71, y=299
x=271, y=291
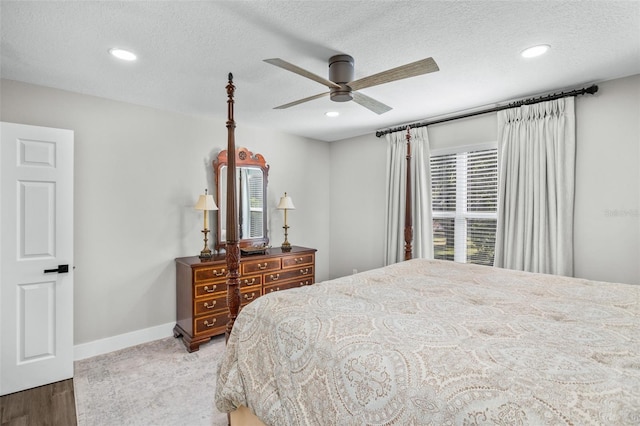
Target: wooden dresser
x=201, y=291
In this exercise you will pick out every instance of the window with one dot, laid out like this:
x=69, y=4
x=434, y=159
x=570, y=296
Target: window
x=255, y=203
x=464, y=188
x=250, y=196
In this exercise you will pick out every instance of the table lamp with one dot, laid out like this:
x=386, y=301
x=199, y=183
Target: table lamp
x=286, y=204
x=206, y=204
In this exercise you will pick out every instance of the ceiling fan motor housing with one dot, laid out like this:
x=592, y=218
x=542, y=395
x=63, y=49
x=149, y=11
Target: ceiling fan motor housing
x=341, y=72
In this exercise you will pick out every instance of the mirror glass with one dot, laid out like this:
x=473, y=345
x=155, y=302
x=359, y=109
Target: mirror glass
x=251, y=190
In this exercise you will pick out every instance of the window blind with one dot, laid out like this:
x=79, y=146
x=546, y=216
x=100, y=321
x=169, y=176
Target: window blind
x=255, y=204
x=464, y=201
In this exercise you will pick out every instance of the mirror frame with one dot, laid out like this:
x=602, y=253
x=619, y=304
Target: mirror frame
x=244, y=158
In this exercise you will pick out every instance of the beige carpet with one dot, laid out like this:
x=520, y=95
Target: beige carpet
x=157, y=383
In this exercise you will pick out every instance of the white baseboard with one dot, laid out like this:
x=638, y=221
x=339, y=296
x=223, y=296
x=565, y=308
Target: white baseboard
x=114, y=343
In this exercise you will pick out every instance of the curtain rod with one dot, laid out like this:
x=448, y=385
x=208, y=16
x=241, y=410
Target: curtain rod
x=588, y=90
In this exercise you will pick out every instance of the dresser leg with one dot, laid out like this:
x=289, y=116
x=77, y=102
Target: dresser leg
x=177, y=332
x=190, y=345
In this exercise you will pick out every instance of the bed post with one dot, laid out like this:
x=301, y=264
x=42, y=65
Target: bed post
x=233, y=248
x=408, y=225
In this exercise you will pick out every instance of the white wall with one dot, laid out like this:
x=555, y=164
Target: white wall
x=138, y=173
x=607, y=211
x=464, y=132
x=358, y=168
x=607, y=246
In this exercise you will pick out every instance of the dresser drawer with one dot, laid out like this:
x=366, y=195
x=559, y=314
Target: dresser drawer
x=262, y=265
x=303, y=259
x=249, y=296
x=208, y=289
x=203, y=306
x=301, y=272
x=288, y=284
x=208, y=274
x=211, y=323
x=250, y=282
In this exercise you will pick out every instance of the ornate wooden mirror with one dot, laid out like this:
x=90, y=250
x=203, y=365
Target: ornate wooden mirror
x=252, y=173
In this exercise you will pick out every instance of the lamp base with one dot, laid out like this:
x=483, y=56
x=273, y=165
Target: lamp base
x=206, y=254
x=285, y=246
x=206, y=251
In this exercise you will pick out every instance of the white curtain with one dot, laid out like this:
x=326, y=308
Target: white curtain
x=422, y=241
x=536, y=180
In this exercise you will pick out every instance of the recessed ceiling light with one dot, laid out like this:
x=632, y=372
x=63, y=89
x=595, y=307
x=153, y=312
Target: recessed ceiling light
x=332, y=114
x=534, y=51
x=125, y=55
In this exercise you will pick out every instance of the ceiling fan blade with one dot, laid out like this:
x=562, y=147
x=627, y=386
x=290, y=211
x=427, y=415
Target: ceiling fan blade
x=299, y=101
x=413, y=69
x=370, y=103
x=301, y=71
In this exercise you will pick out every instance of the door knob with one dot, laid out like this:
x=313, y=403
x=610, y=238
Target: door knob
x=61, y=269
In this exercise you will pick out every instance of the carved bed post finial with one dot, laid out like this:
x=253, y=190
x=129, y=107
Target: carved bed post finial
x=232, y=247
x=408, y=225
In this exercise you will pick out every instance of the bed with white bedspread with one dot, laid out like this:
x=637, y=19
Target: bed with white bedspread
x=433, y=342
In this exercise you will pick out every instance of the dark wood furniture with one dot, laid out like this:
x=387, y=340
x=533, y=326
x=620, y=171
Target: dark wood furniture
x=201, y=289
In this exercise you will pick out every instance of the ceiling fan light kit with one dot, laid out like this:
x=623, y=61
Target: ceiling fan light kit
x=343, y=87
x=341, y=71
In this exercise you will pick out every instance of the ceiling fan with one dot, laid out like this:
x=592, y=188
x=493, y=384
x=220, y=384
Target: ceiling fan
x=344, y=88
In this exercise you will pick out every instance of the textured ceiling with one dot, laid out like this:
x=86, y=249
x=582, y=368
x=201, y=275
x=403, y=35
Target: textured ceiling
x=187, y=48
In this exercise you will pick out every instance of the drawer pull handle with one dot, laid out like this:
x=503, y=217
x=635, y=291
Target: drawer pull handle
x=211, y=306
x=271, y=290
x=299, y=260
x=213, y=321
x=261, y=266
x=218, y=274
x=247, y=297
x=304, y=283
x=304, y=271
x=253, y=281
x=210, y=290
x=275, y=277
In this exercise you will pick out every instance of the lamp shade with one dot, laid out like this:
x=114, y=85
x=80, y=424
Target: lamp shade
x=206, y=202
x=286, y=203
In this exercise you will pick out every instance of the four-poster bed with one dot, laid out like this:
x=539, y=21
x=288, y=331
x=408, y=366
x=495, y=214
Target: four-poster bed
x=232, y=246
x=431, y=342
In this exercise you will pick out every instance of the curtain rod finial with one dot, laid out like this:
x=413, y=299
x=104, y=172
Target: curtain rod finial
x=230, y=77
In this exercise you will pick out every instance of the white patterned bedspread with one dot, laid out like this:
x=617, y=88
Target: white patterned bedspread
x=433, y=342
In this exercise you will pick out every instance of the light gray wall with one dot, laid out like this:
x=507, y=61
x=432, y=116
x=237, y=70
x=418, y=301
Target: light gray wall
x=138, y=174
x=607, y=218
x=358, y=168
x=607, y=210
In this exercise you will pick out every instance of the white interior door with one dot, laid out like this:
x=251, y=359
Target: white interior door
x=36, y=230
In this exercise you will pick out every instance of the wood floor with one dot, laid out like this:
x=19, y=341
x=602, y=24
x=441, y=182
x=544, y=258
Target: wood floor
x=50, y=405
